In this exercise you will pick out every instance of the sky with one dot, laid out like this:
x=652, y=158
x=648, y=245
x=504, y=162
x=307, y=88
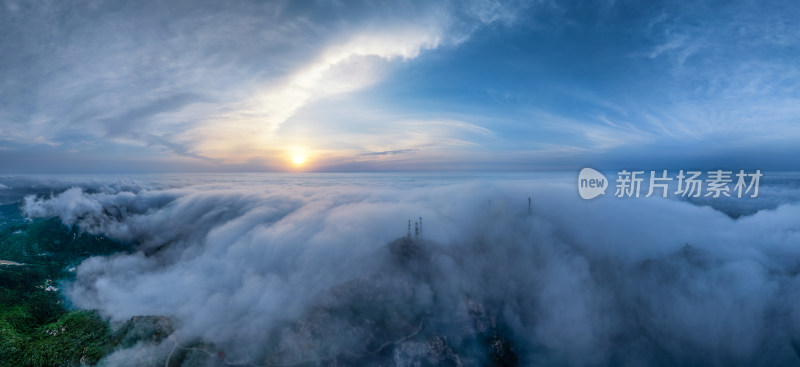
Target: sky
x=184, y=86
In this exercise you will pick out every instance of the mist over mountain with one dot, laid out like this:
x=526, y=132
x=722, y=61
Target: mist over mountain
x=296, y=273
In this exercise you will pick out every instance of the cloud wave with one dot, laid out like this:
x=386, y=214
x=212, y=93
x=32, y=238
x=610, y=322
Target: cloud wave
x=268, y=274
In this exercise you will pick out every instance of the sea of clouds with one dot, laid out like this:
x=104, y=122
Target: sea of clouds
x=603, y=282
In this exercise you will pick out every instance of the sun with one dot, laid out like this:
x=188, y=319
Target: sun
x=299, y=159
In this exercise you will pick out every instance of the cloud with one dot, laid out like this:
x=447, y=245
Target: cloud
x=218, y=81
x=201, y=84
x=389, y=152
x=290, y=272
x=342, y=68
x=138, y=118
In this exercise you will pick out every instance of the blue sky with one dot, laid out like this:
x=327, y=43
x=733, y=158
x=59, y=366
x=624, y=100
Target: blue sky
x=112, y=86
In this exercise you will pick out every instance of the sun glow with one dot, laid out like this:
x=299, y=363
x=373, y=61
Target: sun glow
x=299, y=159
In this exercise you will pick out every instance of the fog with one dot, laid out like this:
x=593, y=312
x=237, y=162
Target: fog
x=242, y=268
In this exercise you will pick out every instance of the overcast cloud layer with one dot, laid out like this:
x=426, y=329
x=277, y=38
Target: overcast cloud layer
x=609, y=281
x=89, y=86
